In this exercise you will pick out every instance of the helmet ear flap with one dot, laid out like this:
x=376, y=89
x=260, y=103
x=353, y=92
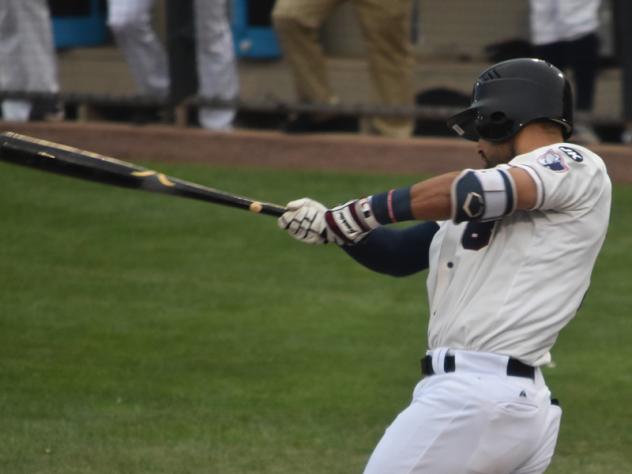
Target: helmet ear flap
x=496, y=126
x=498, y=117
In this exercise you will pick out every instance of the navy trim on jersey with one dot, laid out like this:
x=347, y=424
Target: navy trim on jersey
x=477, y=235
x=510, y=192
x=395, y=252
x=542, y=188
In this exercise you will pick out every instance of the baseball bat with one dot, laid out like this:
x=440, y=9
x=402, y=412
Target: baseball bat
x=68, y=161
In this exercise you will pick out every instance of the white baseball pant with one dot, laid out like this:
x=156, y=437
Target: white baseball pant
x=475, y=420
x=27, y=56
x=216, y=63
x=130, y=20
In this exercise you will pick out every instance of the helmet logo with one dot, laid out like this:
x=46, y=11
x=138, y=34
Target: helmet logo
x=458, y=129
x=490, y=75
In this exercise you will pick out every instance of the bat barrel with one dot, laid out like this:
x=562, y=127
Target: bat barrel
x=68, y=161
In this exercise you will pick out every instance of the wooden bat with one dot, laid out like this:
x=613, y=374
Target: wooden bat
x=68, y=161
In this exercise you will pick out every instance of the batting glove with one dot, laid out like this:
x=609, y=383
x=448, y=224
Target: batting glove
x=349, y=223
x=305, y=221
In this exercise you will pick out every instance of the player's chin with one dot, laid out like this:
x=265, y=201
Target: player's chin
x=483, y=156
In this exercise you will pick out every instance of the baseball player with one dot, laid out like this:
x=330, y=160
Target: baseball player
x=510, y=249
x=130, y=22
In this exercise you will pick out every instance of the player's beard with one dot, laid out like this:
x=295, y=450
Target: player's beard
x=494, y=154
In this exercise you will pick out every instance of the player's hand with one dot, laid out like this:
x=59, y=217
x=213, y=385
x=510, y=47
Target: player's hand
x=305, y=221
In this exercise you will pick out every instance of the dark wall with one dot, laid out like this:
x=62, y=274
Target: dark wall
x=74, y=7
x=259, y=12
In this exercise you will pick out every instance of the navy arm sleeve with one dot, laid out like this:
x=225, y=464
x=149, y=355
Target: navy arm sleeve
x=395, y=252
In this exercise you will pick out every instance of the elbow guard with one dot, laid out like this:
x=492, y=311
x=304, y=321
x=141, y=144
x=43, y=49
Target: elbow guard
x=483, y=195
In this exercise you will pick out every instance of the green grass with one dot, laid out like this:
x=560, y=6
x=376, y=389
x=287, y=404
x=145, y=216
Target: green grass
x=147, y=334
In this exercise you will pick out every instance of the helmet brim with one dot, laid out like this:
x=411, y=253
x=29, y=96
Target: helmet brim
x=464, y=124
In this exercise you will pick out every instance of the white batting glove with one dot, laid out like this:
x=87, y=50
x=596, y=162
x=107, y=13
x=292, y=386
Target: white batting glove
x=305, y=221
x=349, y=223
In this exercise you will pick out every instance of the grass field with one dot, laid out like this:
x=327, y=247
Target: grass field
x=147, y=334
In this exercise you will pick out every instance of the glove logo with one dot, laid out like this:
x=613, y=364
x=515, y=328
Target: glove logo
x=345, y=222
x=365, y=208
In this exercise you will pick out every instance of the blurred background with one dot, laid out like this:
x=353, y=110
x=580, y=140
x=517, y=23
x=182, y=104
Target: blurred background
x=145, y=334
x=452, y=42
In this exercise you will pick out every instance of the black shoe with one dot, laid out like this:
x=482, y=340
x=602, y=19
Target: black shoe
x=50, y=110
x=304, y=123
x=149, y=115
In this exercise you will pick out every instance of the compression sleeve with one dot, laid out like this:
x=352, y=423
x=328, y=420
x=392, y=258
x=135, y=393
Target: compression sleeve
x=395, y=252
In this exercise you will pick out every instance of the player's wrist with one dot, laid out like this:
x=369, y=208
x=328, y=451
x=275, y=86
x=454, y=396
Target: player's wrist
x=392, y=206
x=349, y=223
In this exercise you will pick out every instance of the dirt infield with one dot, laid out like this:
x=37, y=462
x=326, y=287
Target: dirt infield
x=276, y=150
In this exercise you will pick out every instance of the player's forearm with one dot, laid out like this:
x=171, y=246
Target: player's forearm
x=469, y=195
x=427, y=200
x=430, y=199
x=450, y=195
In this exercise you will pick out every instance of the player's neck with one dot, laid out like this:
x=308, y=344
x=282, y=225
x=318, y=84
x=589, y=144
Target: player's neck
x=534, y=136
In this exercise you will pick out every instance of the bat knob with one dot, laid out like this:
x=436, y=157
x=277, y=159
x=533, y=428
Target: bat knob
x=255, y=207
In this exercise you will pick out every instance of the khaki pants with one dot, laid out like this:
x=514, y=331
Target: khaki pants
x=386, y=28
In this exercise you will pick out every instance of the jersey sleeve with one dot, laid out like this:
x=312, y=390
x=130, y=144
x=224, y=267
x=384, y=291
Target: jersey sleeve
x=395, y=252
x=567, y=177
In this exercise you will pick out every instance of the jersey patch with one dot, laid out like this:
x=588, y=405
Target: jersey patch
x=572, y=153
x=553, y=161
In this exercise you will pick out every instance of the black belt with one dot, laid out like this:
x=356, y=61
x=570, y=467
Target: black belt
x=515, y=368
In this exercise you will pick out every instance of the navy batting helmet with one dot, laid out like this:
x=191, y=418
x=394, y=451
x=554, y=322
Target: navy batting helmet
x=511, y=94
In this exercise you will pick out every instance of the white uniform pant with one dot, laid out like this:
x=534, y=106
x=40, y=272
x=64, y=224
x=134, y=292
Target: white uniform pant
x=27, y=56
x=562, y=20
x=476, y=420
x=130, y=21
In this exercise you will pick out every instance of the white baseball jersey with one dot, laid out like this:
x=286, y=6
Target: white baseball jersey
x=511, y=285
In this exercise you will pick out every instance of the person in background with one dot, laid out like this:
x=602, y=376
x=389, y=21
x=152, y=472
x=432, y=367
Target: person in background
x=564, y=33
x=386, y=28
x=623, y=14
x=130, y=22
x=27, y=60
